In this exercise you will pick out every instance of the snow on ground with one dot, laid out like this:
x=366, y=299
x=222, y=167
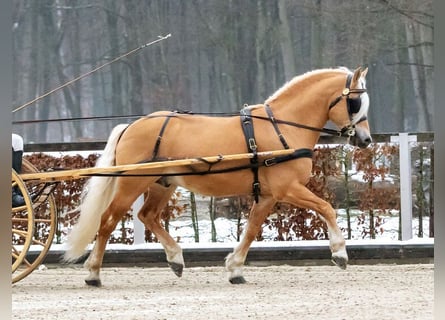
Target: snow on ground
x=226, y=229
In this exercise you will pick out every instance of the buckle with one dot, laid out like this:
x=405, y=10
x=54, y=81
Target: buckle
x=252, y=144
x=348, y=131
x=270, y=162
x=256, y=188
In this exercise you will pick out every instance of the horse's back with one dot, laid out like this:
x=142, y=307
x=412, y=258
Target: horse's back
x=180, y=136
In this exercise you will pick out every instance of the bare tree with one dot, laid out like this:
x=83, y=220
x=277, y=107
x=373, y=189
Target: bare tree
x=222, y=54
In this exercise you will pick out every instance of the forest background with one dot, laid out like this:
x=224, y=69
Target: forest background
x=221, y=55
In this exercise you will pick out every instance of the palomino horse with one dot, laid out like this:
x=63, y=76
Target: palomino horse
x=292, y=117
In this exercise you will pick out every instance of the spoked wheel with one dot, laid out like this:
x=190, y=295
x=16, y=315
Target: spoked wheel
x=43, y=207
x=22, y=225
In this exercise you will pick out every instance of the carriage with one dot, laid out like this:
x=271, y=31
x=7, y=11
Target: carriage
x=265, y=150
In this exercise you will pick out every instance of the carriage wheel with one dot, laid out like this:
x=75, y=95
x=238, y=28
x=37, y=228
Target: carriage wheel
x=45, y=223
x=22, y=225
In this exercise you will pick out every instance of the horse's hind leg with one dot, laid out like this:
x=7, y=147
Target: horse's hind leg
x=109, y=220
x=235, y=261
x=302, y=197
x=120, y=204
x=150, y=215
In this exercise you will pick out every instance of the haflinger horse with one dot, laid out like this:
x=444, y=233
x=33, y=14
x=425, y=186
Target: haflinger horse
x=291, y=118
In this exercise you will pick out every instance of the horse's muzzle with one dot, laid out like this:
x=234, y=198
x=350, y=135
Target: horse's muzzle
x=361, y=139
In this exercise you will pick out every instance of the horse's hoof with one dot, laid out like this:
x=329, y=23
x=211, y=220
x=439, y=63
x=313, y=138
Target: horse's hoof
x=177, y=268
x=93, y=282
x=237, y=280
x=340, y=262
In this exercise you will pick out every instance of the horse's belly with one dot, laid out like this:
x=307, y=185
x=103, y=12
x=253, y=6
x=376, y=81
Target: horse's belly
x=217, y=185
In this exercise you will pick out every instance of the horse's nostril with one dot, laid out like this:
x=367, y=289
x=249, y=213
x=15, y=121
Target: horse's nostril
x=365, y=142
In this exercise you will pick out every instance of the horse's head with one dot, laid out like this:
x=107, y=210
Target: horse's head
x=350, y=108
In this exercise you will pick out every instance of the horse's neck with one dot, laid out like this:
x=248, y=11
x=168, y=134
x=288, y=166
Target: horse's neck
x=305, y=103
x=306, y=95
x=306, y=109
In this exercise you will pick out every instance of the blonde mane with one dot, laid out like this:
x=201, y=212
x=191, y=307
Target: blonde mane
x=302, y=77
x=286, y=88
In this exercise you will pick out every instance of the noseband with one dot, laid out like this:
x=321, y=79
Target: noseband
x=353, y=105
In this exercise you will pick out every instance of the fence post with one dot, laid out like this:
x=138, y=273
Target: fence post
x=406, y=195
x=138, y=226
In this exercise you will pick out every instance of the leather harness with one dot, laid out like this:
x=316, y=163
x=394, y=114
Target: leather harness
x=249, y=135
x=353, y=106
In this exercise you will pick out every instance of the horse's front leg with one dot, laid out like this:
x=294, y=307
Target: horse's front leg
x=300, y=196
x=235, y=260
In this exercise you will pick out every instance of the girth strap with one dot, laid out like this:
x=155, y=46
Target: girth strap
x=249, y=134
x=299, y=153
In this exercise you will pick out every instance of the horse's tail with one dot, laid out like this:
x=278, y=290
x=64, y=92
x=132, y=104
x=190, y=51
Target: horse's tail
x=99, y=193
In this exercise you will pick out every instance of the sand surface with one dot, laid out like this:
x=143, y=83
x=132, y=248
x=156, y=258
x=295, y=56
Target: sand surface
x=273, y=292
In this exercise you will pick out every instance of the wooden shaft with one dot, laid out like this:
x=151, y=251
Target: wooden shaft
x=73, y=174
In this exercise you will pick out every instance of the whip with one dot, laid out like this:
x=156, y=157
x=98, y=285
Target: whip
x=160, y=38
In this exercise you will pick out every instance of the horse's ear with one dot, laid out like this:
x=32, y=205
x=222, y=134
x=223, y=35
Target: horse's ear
x=360, y=72
x=364, y=72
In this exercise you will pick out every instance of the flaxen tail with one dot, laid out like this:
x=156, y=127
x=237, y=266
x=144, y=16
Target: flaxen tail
x=99, y=193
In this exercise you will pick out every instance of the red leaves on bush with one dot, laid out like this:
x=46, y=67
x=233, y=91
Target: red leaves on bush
x=290, y=222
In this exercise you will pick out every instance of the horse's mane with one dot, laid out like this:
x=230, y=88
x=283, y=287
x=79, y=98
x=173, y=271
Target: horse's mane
x=304, y=76
x=286, y=88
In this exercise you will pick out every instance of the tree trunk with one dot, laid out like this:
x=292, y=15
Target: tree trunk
x=259, y=52
x=76, y=71
x=287, y=49
x=426, y=49
x=47, y=56
x=194, y=215
x=134, y=61
x=113, y=41
x=316, y=37
x=32, y=88
x=212, y=218
x=431, y=226
x=417, y=76
x=398, y=110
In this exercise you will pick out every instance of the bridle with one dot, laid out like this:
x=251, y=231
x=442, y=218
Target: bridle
x=353, y=105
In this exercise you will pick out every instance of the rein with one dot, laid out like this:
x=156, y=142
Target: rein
x=347, y=132
x=174, y=113
x=333, y=132
x=352, y=104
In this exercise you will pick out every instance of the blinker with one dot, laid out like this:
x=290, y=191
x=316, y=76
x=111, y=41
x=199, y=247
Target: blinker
x=354, y=105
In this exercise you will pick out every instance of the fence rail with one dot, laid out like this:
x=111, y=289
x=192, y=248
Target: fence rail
x=406, y=214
